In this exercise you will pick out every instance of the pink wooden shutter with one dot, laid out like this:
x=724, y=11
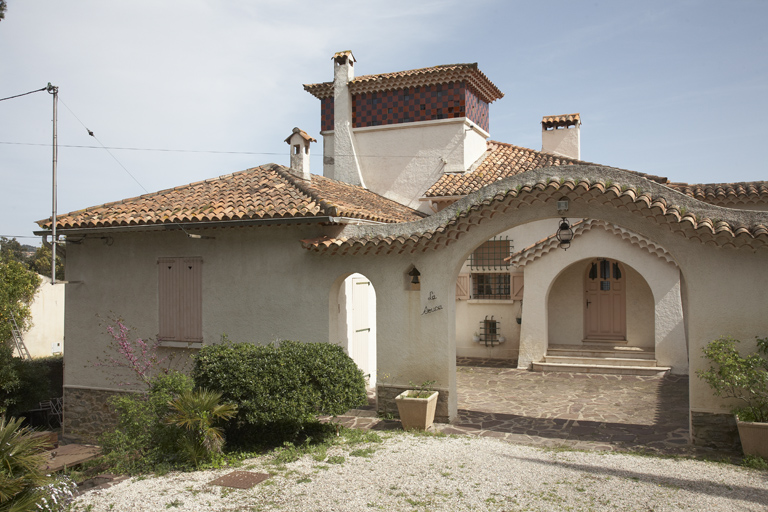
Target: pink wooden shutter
x=180, y=298
x=462, y=287
x=516, y=286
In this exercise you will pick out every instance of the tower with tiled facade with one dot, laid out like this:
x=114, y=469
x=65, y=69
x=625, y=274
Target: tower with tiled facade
x=397, y=133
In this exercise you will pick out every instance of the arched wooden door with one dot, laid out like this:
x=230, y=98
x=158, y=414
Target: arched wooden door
x=605, y=316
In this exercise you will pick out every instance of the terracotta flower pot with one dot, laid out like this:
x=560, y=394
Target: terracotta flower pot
x=418, y=413
x=754, y=437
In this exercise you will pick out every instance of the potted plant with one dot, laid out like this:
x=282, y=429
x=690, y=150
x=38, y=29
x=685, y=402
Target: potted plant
x=417, y=406
x=745, y=379
x=476, y=337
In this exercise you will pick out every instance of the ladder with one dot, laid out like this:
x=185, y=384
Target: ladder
x=21, y=348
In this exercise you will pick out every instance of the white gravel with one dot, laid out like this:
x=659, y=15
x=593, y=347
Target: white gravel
x=408, y=472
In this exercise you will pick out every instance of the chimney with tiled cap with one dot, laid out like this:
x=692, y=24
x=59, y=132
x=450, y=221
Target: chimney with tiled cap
x=560, y=135
x=346, y=166
x=299, y=142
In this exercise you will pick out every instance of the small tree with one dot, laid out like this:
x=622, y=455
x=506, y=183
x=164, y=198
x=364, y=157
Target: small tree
x=745, y=379
x=17, y=289
x=139, y=356
x=41, y=263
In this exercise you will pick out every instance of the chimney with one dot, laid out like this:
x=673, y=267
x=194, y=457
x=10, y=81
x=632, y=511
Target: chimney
x=345, y=162
x=299, y=143
x=560, y=135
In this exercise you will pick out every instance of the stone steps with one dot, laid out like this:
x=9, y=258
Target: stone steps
x=603, y=359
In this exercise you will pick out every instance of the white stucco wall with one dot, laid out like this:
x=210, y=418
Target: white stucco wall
x=563, y=141
x=46, y=335
x=402, y=161
x=566, y=304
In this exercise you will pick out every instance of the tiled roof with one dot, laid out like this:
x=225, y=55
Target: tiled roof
x=501, y=161
x=504, y=160
x=731, y=194
x=265, y=192
x=696, y=221
x=444, y=74
x=558, y=121
x=304, y=135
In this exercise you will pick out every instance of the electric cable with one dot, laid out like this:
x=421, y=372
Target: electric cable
x=20, y=95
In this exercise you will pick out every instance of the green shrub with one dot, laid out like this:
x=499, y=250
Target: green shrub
x=142, y=439
x=280, y=389
x=745, y=379
x=35, y=382
x=196, y=412
x=21, y=463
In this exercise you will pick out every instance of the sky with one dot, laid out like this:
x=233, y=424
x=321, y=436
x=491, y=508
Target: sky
x=204, y=88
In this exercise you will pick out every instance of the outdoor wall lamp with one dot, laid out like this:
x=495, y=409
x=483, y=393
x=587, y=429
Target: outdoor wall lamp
x=564, y=234
x=414, y=275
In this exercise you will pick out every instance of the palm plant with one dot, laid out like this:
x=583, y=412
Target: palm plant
x=21, y=467
x=196, y=412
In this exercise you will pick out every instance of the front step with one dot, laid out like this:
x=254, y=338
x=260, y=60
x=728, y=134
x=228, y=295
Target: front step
x=601, y=351
x=603, y=359
x=600, y=369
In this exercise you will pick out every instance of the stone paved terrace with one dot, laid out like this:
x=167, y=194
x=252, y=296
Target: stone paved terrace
x=581, y=411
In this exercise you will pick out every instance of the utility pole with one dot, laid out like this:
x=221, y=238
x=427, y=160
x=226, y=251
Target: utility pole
x=52, y=89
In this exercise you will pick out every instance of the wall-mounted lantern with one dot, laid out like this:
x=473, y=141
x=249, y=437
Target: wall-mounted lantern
x=564, y=234
x=414, y=273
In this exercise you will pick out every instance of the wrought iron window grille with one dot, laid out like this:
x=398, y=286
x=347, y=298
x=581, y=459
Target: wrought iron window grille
x=489, y=331
x=490, y=255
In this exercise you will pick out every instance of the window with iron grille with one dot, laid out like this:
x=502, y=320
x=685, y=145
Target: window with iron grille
x=491, y=255
x=490, y=286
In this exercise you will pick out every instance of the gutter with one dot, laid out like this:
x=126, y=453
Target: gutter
x=176, y=226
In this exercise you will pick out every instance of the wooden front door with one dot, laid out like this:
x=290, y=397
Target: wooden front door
x=605, y=316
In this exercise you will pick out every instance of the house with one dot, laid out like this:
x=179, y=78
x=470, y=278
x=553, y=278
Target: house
x=45, y=336
x=422, y=241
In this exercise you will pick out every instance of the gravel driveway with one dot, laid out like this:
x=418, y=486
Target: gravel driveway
x=424, y=473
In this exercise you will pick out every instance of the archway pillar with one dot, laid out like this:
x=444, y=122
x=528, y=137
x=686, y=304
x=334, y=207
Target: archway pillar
x=534, y=327
x=416, y=334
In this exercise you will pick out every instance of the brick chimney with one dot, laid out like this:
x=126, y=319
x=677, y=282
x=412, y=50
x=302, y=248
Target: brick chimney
x=560, y=135
x=299, y=141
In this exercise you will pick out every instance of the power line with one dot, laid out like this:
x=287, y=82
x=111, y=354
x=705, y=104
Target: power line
x=20, y=95
x=166, y=150
x=143, y=149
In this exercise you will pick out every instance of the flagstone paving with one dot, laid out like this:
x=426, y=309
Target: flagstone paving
x=577, y=410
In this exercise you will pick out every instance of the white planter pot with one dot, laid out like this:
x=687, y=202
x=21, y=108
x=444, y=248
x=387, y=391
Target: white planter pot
x=754, y=437
x=418, y=413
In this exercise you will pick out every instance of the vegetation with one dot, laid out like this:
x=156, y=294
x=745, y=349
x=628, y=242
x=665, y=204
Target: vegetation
x=424, y=390
x=196, y=412
x=17, y=288
x=744, y=379
x=279, y=390
x=34, y=383
x=24, y=486
x=143, y=440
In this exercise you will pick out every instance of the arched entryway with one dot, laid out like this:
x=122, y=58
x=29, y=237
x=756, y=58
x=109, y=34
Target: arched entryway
x=352, y=321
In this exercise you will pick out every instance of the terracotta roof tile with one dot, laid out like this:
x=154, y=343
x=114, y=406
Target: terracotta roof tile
x=501, y=161
x=443, y=74
x=726, y=193
x=504, y=160
x=558, y=121
x=265, y=192
x=451, y=222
